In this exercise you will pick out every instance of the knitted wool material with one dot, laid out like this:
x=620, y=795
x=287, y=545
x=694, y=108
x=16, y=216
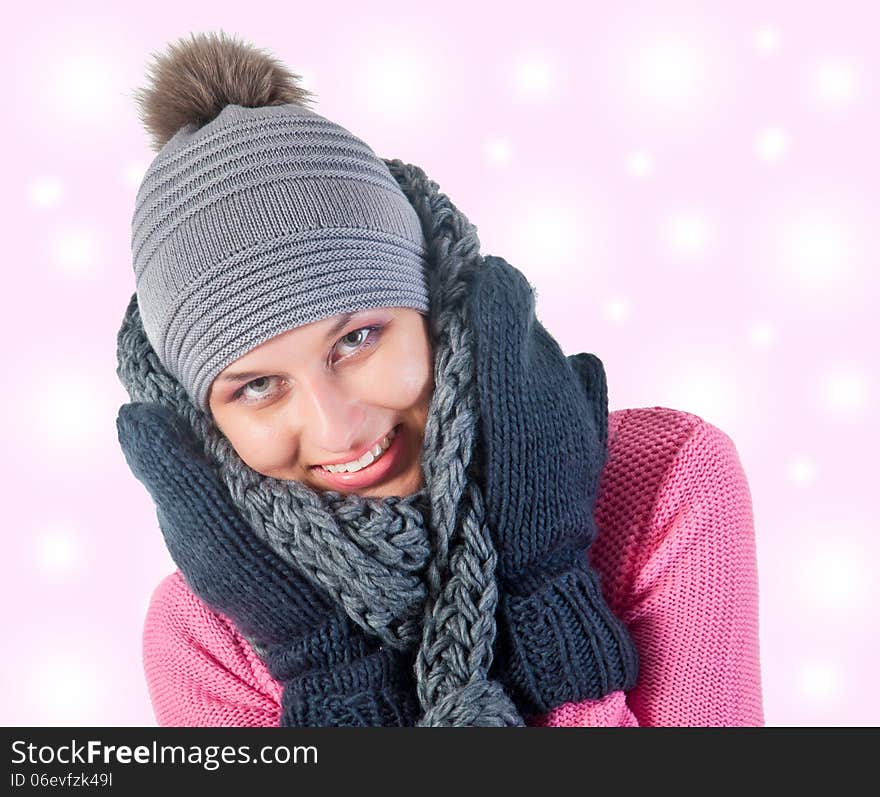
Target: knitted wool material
x=321, y=532
x=417, y=571
x=335, y=675
x=230, y=214
x=677, y=556
x=543, y=445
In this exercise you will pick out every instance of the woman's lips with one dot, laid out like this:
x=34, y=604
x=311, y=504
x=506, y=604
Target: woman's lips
x=369, y=475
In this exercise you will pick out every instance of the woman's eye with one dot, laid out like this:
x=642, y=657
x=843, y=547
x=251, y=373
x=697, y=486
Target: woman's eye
x=261, y=390
x=257, y=390
x=359, y=338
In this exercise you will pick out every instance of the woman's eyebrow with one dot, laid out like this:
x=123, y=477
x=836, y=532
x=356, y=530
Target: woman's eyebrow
x=245, y=376
x=337, y=327
x=240, y=376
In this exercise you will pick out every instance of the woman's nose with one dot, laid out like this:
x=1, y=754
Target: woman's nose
x=334, y=418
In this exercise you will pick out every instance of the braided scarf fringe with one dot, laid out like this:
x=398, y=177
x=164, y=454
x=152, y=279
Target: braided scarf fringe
x=417, y=571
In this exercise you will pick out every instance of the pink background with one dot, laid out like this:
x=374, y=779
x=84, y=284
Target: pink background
x=691, y=188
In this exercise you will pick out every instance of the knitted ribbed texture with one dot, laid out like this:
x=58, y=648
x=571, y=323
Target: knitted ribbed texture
x=675, y=552
x=543, y=420
x=335, y=674
x=369, y=692
x=255, y=220
x=431, y=585
x=260, y=221
x=562, y=643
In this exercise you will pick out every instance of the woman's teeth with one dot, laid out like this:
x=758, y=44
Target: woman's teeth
x=368, y=458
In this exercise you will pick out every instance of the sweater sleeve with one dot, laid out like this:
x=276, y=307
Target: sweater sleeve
x=199, y=670
x=689, y=597
x=676, y=557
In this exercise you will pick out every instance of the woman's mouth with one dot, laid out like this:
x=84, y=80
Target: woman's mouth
x=374, y=465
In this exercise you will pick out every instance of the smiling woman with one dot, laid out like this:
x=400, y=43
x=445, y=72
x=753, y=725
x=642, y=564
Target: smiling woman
x=311, y=400
x=349, y=419
x=368, y=456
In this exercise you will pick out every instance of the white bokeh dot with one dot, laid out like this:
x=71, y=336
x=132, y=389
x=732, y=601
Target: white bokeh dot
x=831, y=573
x=704, y=387
x=762, y=334
x=817, y=251
x=767, y=39
x=57, y=548
x=845, y=392
x=802, y=471
x=617, y=310
x=394, y=83
x=668, y=71
x=550, y=235
x=133, y=173
x=640, y=164
x=688, y=233
x=65, y=688
x=74, y=251
x=535, y=76
x=498, y=150
x=834, y=83
x=771, y=144
x=67, y=411
x=84, y=85
x=818, y=682
x=308, y=79
x=45, y=191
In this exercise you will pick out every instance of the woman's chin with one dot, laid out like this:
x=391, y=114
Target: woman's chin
x=398, y=487
x=399, y=492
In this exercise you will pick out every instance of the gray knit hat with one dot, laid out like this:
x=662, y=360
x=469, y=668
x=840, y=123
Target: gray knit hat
x=251, y=221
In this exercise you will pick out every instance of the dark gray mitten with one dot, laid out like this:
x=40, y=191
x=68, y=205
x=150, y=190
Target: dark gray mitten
x=543, y=436
x=333, y=673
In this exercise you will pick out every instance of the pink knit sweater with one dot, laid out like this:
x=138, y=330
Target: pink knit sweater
x=676, y=553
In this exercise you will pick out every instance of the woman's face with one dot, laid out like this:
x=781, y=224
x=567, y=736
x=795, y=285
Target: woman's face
x=327, y=392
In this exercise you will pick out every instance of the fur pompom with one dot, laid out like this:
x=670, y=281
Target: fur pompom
x=197, y=78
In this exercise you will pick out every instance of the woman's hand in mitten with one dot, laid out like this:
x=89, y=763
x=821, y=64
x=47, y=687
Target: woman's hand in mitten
x=333, y=673
x=543, y=433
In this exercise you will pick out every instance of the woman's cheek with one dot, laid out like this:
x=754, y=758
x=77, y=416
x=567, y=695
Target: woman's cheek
x=263, y=447
x=406, y=372
x=405, y=383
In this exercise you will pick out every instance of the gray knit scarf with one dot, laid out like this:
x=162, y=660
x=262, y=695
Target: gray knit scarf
x=416, y=570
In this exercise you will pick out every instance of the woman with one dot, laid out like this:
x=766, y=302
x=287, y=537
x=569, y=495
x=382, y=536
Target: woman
x=374, y=468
